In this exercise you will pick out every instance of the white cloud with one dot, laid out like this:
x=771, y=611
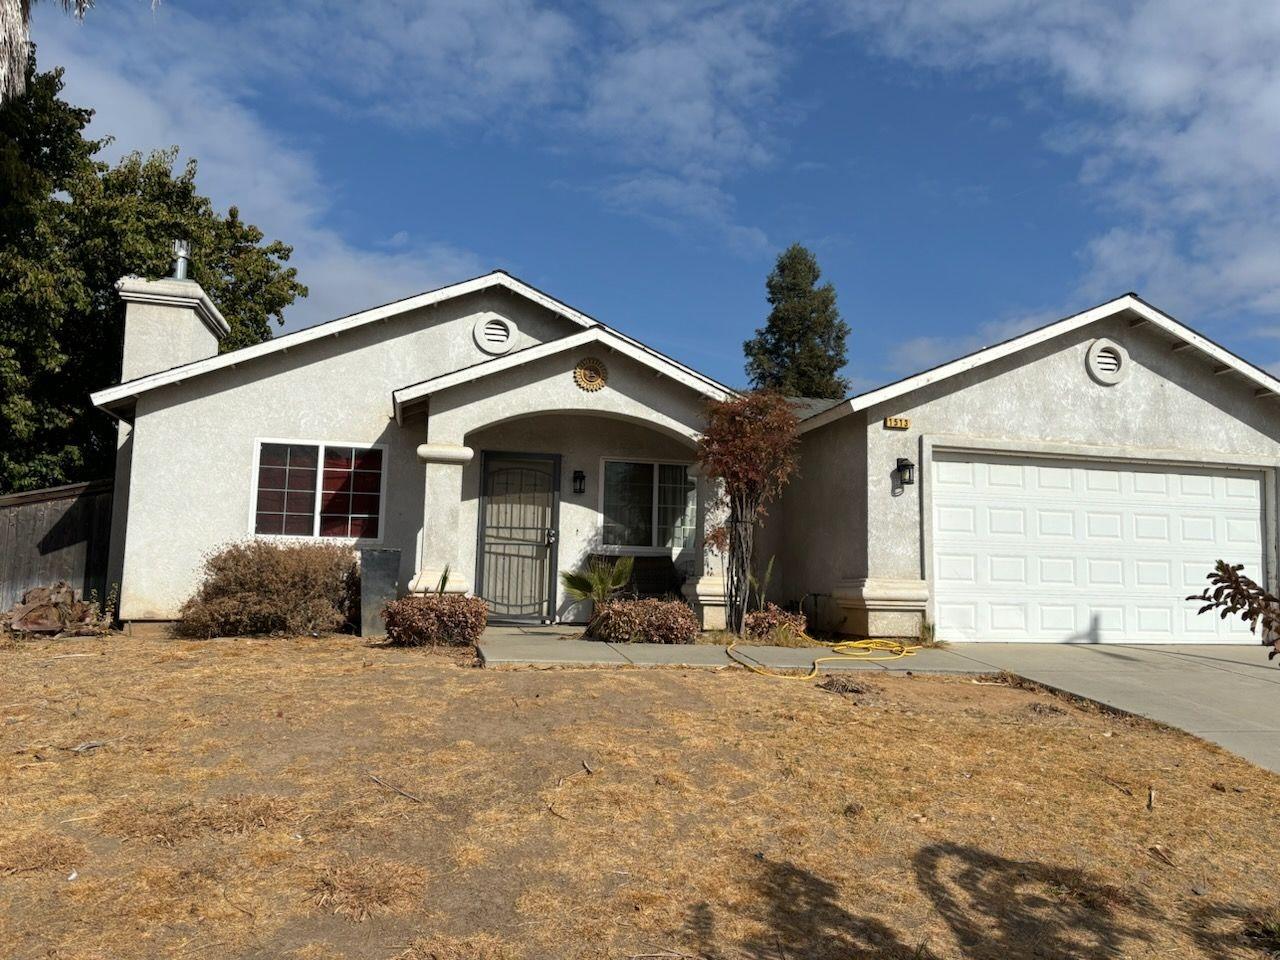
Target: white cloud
x=673, y=203
x=684, y=90
x=917, y=354
x=429, y=64
x=138, y=73
x=1182, y=153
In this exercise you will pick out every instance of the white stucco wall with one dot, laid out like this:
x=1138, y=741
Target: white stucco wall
x=192, y=447
x=816, y=531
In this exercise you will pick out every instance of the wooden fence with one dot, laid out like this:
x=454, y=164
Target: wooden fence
x=61, y=533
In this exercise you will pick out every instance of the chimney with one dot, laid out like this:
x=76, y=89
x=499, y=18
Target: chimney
x=167, y=322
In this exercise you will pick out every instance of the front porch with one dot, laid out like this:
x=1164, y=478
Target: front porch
x=532, y=469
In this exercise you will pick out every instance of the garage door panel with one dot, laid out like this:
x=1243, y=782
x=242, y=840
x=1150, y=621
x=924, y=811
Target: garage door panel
x=1057, y=550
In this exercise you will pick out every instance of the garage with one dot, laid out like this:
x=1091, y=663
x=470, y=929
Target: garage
x=1075, y=550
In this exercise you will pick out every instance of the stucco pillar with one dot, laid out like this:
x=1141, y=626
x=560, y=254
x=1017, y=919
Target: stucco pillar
x=441, y=518
x=891, y=600
x=705, y=590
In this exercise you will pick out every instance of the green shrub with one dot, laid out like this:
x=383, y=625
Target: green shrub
x=260, y=587
x=772, y=623
x=448, y=618
x=645, y=621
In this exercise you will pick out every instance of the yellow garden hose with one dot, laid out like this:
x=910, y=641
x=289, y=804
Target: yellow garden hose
x=865, y=650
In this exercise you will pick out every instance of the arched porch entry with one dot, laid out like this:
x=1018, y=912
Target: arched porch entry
x=529, y=475
x=549, y=492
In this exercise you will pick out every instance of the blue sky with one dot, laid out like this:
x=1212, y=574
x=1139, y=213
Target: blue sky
x=964, y=169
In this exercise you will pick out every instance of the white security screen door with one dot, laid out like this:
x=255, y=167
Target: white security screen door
x=1028, y=549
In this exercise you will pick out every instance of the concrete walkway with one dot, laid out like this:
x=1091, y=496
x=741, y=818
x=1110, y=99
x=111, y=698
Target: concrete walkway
x=1229, y=695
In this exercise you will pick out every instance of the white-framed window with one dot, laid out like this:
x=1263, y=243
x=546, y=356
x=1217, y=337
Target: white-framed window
x=647, y=505
x=306, y=488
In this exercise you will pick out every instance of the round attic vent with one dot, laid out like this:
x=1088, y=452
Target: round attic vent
x=1108, y=362
x=494, y=334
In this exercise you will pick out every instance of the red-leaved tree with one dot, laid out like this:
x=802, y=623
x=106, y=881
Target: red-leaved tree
x=749, y=446
x=1231, y=593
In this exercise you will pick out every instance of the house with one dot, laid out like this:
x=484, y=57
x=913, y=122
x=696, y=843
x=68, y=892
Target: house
x=1074, y=483
x=483, y=429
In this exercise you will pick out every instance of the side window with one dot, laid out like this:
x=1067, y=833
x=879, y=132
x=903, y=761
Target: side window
x=286, y=489
x=318, y=490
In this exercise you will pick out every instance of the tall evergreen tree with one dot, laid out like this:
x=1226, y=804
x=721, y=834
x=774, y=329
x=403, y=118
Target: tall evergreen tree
x=801, y=348
x=70, y=227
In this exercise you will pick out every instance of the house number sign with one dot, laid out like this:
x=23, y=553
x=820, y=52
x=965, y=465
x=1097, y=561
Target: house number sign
x=897, y=423
x=590, y=374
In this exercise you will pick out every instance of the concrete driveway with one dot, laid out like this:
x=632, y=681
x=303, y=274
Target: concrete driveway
x=1229, y=695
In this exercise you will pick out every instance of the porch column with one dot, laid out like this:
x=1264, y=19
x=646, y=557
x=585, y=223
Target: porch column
x=442, y=505
x=705, y=590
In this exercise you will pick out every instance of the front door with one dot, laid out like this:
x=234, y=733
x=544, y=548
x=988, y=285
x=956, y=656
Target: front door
x=519, y=503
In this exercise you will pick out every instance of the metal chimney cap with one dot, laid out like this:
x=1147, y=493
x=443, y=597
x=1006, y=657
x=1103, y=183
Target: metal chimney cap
x=181, y=257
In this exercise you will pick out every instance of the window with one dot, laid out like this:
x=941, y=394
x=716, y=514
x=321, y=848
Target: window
x=648, y=505
x=318, y=490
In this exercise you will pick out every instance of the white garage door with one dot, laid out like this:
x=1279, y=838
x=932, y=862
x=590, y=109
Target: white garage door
x=1067, y=550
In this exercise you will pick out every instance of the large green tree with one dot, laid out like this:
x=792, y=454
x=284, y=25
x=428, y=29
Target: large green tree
x=801, y=348
x=70, y=227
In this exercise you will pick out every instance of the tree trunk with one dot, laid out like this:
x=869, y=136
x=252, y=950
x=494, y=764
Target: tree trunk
x=738, y=563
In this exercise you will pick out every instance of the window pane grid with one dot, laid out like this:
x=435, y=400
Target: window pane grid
x=286, y=489
x=347, y=503
x=648, y=505
x=677, y=506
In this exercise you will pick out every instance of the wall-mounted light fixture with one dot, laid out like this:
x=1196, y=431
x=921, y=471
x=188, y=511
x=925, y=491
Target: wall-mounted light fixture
x=579, y=482
x=906, y=472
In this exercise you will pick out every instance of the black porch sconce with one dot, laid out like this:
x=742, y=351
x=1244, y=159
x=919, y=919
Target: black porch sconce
x=579, y=482
x=906, y=472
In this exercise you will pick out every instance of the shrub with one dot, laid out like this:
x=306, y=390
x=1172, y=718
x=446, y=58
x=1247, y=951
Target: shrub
x=258, y=587
x=645, y=621
x=771, y=622
x=448, y=618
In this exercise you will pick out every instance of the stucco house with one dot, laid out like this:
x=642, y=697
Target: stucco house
x=1074, y=483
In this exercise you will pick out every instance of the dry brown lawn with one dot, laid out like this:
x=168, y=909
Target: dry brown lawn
x=217, y=799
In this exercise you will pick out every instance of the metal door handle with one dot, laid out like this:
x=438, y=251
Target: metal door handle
x=552, y=536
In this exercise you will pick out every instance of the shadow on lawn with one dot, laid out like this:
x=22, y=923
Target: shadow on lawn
x=995, y=907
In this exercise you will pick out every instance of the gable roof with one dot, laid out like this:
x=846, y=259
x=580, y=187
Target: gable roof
x=1142, y=313
x=599, y=334
x=122, y=394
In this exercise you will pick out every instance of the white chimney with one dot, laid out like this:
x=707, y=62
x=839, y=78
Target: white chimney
x=167, y=322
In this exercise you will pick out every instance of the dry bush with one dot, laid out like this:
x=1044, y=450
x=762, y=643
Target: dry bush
x=482, y=947
x=358, y=889
x=259, y=587
x=447, y=618
x=39, y=850
x=772, y=624
x=645, y=621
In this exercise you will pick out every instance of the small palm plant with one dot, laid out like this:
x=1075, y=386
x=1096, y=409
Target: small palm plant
x=598, y=582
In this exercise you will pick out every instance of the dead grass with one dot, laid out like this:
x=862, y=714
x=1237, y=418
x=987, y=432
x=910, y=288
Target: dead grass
x=231, y=811
x=39, y=851
x=170, y=823
x=360, y=889
x=450, y=948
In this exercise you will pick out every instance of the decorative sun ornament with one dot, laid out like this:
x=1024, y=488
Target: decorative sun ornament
x=590, y=374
